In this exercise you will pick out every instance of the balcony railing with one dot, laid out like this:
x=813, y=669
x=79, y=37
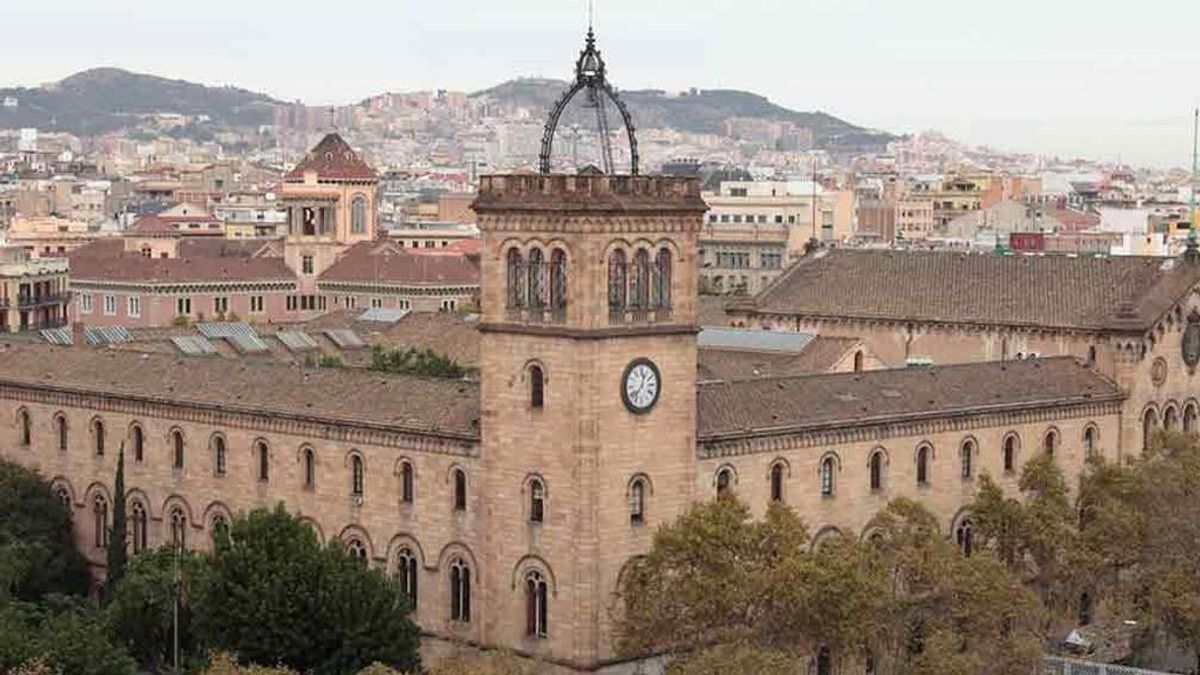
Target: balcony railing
x=42, y=300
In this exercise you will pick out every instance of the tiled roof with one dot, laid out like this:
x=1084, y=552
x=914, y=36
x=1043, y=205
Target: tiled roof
x=332, y=159
x=102, y=261
x=374, y=262
x=784, y=405
x=820, y=355
x=1044, y=291
x=191, y=247
x=336, y=395
x=447, y=333
x=152, y=226
x=710, y=310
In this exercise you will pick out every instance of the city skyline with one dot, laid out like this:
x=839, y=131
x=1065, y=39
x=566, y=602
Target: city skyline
x=1017, y=76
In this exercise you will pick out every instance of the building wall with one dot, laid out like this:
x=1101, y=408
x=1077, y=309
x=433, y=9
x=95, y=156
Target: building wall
x=161, y=309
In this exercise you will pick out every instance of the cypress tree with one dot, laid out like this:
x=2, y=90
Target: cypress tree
x=117, y=557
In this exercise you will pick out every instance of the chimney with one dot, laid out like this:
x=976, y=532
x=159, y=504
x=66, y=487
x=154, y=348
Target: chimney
x=79, y=334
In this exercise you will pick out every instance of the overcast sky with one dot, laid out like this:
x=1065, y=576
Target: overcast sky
x=1098, y=78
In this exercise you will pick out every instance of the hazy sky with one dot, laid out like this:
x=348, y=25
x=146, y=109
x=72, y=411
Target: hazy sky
x=1099, y=78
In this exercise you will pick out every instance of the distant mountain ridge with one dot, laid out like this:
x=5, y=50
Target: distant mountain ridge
x=101, y=100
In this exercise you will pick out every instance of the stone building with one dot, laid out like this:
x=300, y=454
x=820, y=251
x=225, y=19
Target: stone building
x=33, y=291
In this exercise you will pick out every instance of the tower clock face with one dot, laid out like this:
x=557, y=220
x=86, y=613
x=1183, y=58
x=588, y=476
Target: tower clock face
x=641, y=386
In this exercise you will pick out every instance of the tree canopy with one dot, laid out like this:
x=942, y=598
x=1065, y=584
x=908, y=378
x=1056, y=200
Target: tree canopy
x=37, y=543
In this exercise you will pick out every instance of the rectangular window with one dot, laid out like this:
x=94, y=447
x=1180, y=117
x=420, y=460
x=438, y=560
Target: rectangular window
x=449, y=305
x=85, y=304
x=256, y=304
x=220, y=305
x=183, y=306
x=306, y=264
x=291, y=303
x=110, y=305
x=762, y=219
x=351, y=302
x=322, y=302
x=402, y=303
x=376, y=303
x=133, y=305
x=724, y=217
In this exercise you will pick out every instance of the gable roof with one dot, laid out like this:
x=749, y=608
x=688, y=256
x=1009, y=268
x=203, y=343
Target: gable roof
x=152, y=226
x=106, y=260
x=782, y=405
x=1042, y=291
x=386, y=263
x=819, y=355
x=332, y=159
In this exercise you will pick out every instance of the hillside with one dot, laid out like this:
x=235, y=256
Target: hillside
x=104, y=99
x=697, y=111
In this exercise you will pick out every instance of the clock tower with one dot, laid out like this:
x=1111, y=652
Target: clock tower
x=588, y=393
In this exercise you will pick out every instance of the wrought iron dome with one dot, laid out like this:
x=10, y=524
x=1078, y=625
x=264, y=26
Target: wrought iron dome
x=590, y=78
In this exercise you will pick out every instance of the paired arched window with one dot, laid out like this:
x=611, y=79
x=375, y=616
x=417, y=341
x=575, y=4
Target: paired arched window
x=1050, y=442
x=537, y=289
x=1090, y=436
x=1010, y=453
x=60, y=423
x=617, y=279
x=662, y=279
x=724, y=481
x=309, y=458
x=460, y=590
x=460, y=490
x=138, y=520
x=219, y=455
x=966, y=458
x=641, y=285
x=98, y=436
x=264, y=460
x=407, y=483
x=639, y=281
x=537, y=501
x=100, y=520
x=357, y=549
x=358, y=215
x=406, y=575
x=777, y=482
x=536, y=604
x=537, y=283
x=537, y=387
x=137, y=439
x=177, y=448
x=923, y=458
x=356, y=476
x=828, y=468
x=875, y=469
x=25, y=427
x=964, y=536
x=178, y=529
x=637, y=501
x=558, y=280
x=516, y=279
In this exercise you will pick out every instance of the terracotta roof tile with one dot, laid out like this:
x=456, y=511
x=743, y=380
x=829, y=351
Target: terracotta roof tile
x=1044, y=291
x=152, y=226
x=819, y=356
x=332, y=159
x=768, y=406
x=386, y=263
x=112, y=263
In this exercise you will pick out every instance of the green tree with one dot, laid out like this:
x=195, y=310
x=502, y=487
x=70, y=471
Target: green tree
x=140, y=614
x=412, y=361
x=65, y=635
x=37, y=542
x=117, y=555
x=272, y=595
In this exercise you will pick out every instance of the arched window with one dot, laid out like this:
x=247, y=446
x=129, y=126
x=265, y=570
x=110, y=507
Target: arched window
x=966, y=457
x=460, y=490
x=1050, y=442
x=858, y=361
x=536, y=605
x=1189, y=418
x=637, y=501
x=639, y=283
x=98, y=435
x=460, y=590
x=63, y=495
x=537, y=286
x=138, y=440
x=1170, y=419
x=356, y=476
x=964, y=536
x=777, y=482
x=264, y=461
x=1149, y=423
x=219, y=454
x=310, y=467
x=558, y=280
x=724, y=481
x=1091, y=356
x=875, y=468
x=827, y=470
x=178, y=529
x=537, y=501
x=617, y=275
x=137, y=517
x=60, y=421
x=824, y=661
x=100, y=520
x=1089, y=442
x=358, y=215
x=1010, y=453
x=357, y=549
x=662, y=279
x=26, y=428
x=220, y=529
x=516, y=279
x=406, y=574
x=177, y=448
x=923, y=465
x=407, y=484
x=537, y=387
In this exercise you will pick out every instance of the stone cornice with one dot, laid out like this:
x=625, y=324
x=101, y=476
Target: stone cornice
x=923, y=325
x=589, y=333
x=394, y=287
x=828, y=435
x=230, y=417
x=175, y=287
x=665, y=222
